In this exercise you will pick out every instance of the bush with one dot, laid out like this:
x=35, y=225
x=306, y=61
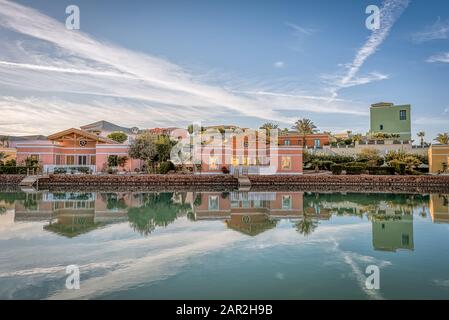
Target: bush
x=354, y=169
x=225, y=170
x=14, y=170
x=375, y=170
x=60, y=171
x=399, y=166
x=336, y=168
x=356, y=164
x=165, y=167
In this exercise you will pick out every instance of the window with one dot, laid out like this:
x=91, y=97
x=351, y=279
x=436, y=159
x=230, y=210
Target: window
x=70, y=160
x=213, y=163
x=287, y=142
x=317, y=143
x=82, y=160
x=286, y=202
x=405, y=239
x=235, y=161
x=58, y=159
x=286, y=163
x=213, y=203
x=93, y=160
x=402, y=114
x=381, y=127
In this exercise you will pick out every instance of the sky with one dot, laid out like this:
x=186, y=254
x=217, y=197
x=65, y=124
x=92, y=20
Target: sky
x=171, y=63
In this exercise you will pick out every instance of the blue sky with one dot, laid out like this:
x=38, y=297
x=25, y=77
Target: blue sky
x=168, y=63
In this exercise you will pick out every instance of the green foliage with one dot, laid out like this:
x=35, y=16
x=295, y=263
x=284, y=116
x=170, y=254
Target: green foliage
x=368, y=154
x=14, y=170
x=165, y=167
x=338, y=159
x=377, y=170
x=336, y=169
x=119, y=137
x=304, y=126
x=30, y=162
x=354, y=169
x=144, y=147
x=442, y=138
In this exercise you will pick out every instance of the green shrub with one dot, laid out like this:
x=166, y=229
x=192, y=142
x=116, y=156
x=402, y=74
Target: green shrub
x=375, y=170
x=60, y=171
x=354, y=169
x=356, y=164
x=14, y=170
x=166, y=166
x=336, y=169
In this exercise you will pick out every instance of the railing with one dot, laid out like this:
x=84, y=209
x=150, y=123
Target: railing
x=70, y=168
x=244, y=170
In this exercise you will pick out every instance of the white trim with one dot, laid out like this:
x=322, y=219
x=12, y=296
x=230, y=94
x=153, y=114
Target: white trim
x=112, y=153
x=40, y=153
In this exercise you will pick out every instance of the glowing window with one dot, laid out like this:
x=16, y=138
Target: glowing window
x=213, y=163
x=286, y=163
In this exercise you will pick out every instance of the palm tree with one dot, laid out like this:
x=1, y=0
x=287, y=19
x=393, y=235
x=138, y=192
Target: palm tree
x=421, y=135
x=268, y=126
x=304, y=126
x=442, y=138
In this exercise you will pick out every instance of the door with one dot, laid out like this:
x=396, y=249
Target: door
x=82, y=160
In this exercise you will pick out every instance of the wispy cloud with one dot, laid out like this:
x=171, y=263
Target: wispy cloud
x=298, y=30
x=60, y=72
x=443, y=57
x=437, y=31
x=389, y=13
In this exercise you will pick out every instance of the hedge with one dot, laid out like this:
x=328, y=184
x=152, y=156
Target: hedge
x=377, y=170
x=336, y=168
x=15, y=170
x=354, y=169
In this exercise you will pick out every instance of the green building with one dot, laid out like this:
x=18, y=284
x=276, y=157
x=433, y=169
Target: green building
x=387, y=118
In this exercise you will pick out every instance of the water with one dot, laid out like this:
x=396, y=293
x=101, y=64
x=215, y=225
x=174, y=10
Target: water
x=209, y=245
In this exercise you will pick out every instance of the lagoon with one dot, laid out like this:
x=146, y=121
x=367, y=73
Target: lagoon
x=223, y=245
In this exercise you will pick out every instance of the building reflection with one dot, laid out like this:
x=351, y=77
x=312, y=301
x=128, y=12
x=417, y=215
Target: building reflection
x=250, y=213
x=439, y=208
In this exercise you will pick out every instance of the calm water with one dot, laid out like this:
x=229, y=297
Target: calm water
x=187, y=245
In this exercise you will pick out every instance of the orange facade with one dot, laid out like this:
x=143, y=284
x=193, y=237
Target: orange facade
x=314, y=140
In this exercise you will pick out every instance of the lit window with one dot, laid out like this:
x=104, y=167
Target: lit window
x=213, y=203
x=286, y=202
x=235, y=161
x=402, y=114
x=213, y=163
x=286, y=163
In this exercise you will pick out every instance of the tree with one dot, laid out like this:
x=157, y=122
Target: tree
x=5, y=141
x=144, y=148
x=305, y=126
x=163, y=148
x=306, y=226
x=2, y=156
x=442, y=138
x=268, y=126
x=119, y=137
x=421, y=135
x=368, y=154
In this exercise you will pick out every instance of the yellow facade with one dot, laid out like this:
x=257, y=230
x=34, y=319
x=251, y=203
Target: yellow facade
x=438, y=158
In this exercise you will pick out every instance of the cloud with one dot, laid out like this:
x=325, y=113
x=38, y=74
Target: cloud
x=279, y=64
x=438, y=31
x=51, y=76
x=443, y=57
x=390, y=12
x=298, y=30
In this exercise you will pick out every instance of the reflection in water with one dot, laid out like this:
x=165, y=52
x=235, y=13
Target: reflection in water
x=251, y=213
x=185, y=244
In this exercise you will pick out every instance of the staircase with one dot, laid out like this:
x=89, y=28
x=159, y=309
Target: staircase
x=29, y=181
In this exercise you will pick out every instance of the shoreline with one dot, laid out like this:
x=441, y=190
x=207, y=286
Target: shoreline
x=174, y=182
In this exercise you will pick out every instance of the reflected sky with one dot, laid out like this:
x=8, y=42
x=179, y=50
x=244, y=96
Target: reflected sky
x=254, y=245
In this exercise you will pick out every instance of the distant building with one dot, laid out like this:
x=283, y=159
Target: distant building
x=310, y=141
x=104, y=128
x=386, y=117
x=391, y=233
x=438, y=158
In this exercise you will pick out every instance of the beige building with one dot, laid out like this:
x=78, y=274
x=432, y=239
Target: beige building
x=438, y=158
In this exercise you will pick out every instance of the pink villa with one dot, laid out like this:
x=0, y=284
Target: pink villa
x=254, y=157
x=74, y=148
